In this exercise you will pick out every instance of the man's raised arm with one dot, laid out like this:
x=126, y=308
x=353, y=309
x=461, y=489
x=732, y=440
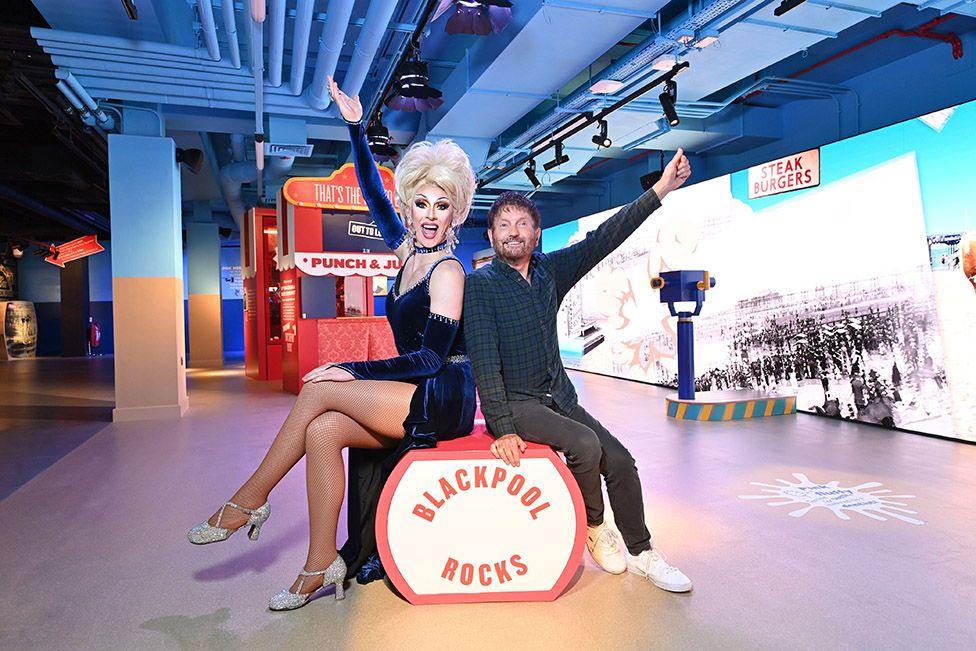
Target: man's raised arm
x=573, y=262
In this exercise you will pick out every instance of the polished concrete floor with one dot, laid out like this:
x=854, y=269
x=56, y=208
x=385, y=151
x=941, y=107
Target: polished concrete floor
x=93, y=553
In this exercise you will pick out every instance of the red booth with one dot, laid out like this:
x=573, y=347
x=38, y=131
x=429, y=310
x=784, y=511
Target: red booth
x=262, y=301
x=334, y=271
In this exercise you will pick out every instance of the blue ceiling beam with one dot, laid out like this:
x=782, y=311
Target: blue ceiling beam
x=829, y=4
x=786, y=27
x=598, y=8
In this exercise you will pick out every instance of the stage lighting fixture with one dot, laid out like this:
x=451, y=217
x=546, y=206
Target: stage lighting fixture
x=558, y=160
x=378, y=138
x=705, y=39
x=481, y=17
x=412, y=91
x=648, y=180
x=601, y=139
x=17, y=250
x=131, y=10
x=192, y=158
x=668, y=98
x=530, y=172
x=686, y=36
x=607, y=86
x=787, y=5
x=259, y=153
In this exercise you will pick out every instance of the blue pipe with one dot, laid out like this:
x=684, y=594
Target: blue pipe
x=686, y=357
x=205, y=9
x=299, y=47
x=276, y=46
x=329, y=47
x=230, y=26
x=378, y=17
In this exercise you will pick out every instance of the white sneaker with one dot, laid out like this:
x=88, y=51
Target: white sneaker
x=654, y=566
x=602, y=543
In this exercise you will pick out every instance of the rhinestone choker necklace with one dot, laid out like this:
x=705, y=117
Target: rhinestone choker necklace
x=429, y=249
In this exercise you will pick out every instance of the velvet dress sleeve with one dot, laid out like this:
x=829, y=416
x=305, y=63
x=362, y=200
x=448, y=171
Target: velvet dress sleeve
x=439, y=335
x=380, y=207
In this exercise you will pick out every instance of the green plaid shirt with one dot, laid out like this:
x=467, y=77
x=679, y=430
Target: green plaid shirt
x=510, y=324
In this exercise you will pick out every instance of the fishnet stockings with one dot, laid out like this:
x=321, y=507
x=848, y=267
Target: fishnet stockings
x=327, y=417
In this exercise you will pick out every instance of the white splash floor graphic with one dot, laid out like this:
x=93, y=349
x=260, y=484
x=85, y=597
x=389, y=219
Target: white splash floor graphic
x=875, y=504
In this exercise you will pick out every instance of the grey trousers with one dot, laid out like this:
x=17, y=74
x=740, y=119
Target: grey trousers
x=590, y=451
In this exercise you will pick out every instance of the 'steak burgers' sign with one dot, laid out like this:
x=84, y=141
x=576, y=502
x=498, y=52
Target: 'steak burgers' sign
x=785, y=174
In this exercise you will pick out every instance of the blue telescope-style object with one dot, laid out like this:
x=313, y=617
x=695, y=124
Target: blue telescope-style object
x=684, y=287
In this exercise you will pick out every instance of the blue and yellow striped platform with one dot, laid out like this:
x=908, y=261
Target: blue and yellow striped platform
x=729, y=405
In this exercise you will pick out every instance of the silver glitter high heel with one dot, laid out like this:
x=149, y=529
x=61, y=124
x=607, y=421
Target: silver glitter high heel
x=206, y=533
x=335, y=574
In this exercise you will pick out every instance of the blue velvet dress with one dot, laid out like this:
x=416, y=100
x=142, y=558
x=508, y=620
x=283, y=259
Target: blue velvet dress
x=431, y=356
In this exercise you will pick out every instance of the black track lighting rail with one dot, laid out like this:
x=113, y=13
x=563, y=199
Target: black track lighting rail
x=577, y=124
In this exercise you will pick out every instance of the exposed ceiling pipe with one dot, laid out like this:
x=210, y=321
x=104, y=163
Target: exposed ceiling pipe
x=257, y=67
x=299, y=47
x=258, y=10
x=82, y=110
x=234, y=175
x=205, y=9
x=922, y=31
x=51, y=36
x=237, y=146
x=230, y=26
x=330, y=45
x=104, y=121
x=378, y=17
x=276, y=45
x=71, y=221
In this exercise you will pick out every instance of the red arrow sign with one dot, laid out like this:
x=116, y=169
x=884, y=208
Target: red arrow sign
x=74, y=250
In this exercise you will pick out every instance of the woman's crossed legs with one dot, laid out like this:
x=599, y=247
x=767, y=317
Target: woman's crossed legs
x=327, y=417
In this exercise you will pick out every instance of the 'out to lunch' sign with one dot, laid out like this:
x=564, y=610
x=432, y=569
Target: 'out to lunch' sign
x=785, y=174
x=338, y=191
x=458, y=526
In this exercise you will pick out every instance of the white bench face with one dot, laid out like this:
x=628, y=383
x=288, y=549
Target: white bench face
x=462, y=526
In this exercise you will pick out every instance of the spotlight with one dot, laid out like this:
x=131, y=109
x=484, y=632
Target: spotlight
x=787, y=5
x=131, y=10
x=378, y=137
x=601, y=139
x=530, y=172
x=668, y=98
x=558, y=160
x=259, y=153
x=17, y=250
x=412, y=91
x=480, y=17
x=192, y=158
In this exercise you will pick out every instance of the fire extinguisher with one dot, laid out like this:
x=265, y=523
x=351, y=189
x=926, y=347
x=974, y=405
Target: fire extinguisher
x=94, y=335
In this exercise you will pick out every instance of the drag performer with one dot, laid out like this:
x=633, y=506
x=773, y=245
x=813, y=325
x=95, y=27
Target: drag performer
x=510, y=315
x=423, y=395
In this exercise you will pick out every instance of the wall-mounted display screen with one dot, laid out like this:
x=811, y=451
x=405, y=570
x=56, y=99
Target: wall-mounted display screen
x=857, y=293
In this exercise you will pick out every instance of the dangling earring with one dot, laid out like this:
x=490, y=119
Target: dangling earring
x=411, y=235
x=452, y=238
